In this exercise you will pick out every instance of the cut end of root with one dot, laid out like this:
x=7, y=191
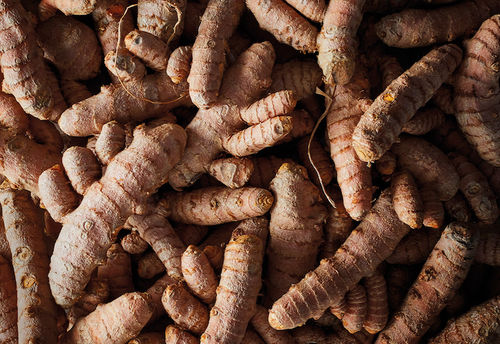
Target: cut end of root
x=274, y=322
x=265, y=200
x=364, y=152
x=461, y=232
x=294, y=168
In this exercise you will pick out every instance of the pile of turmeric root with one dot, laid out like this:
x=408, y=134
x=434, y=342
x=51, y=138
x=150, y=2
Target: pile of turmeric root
x=249, y=171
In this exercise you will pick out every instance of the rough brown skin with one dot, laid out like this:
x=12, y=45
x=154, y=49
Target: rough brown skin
x=48, y=8
x=269, y=334
x=8, y=308
x=232, y=172
x=4, y=244
x=356, y=306
x=300, y=76
x=424, y=121
x=339, y=309
x=377, y=308
x=428, y=164
x=12, y=115
x=313, y=10
x=415, y=247
x=476, y=190
x=156, y=292
x=367, y=246
x=216, y=205
x=406, y=199
x=433, y=208
x=82, y=168
x=26, y=76
x=151, y=154
x=199, y=274
x=220, y=235
x=74, y=92
x=149, y=266
x=148, y=338
x=163, y=19
x=296, y=228
x=179, y=64
x=174, y=335
x=382, y=122
x=114, y=103
x=133, y=243
x=420, y=27
x=386, y=165
x=159, y=234
x=97, y=292
x=24, y=231
x=251, y=337
x=110, y=141
x=488, y=248
x=440, y=277
x=477, y=99
x=458, y=209
x=257, y=226
x=338, y=225
x=106, y=16
x=320, y=158
x=117, y=272
x=451, y=138
x=303, y=125
x=71, y=46
x=353, y=175
x=265, y=168
x=217, y=25
x=284, y=23
x=239, y=285
x=337, y=43
x=239, y=90
x=149, y=48
x=114, y=322
x=475, y=326
x=60, y=189
x=184, y=309
x=124, y=66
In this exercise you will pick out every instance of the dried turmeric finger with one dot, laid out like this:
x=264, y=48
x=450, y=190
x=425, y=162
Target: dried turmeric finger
x=381, y=124
x=216, y=205
x=239, y=286
x=114, y=322
x=440, y=277
x=370, y=243
x=477, y=92
x=295, y=229
x=26, y=76
x=199, y=274
x=184, y=309
x=24, y=231
x=8, y=307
